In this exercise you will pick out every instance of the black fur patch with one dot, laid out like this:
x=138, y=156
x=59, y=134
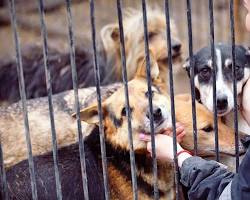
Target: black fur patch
x=61, y=76
x=117, y=122
x=121, y=160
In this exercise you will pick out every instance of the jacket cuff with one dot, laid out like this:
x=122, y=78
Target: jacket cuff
x=192, y=164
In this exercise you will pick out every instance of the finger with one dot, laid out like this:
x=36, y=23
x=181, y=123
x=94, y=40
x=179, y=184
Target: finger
x=144, y=137
x=178, y=124
x=169, y=129
x=167, y=132
x=180, y=136
x=179, y=130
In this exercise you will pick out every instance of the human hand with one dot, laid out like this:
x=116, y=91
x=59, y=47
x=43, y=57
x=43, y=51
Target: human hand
x=164, y=143
x=180, y=132
x=163, y=146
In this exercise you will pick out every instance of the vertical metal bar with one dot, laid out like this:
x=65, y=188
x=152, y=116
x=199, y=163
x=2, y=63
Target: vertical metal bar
x=171, y=89
x=3, y=183
x=49, y=92
x=149, y=81
x=191, y=59
x=77, y=105
x=99, y=99
x=128, y=113
x=23, y=98
x=211, y=19
x=234, y=84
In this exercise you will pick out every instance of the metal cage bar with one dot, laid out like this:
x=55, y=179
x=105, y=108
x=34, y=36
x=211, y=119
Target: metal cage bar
x=128, y=111
x=149, y=82
x=3, y=181
x=211, y=19
x=234, y=84
x=171, y=89
x=77, y=105
x=23, y=97
x=191, y=60
x=99, y=99
x=49, y=92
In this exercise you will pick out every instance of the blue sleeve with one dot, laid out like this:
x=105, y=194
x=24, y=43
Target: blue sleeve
x=204, y=179
x=241, y=183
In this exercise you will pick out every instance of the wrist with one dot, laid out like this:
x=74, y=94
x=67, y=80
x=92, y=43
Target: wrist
x=182, y=156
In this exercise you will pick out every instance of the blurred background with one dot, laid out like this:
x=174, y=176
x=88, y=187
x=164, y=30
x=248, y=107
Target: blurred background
x=56, y=21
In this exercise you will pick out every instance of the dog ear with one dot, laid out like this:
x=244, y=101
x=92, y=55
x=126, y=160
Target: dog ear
x=110, y=37
x=89, y=114
x=154, y=68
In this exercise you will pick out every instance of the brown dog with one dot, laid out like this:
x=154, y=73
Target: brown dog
x=115, y=126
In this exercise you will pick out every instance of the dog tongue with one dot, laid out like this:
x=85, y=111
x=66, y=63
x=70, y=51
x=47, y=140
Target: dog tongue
x=141, y=135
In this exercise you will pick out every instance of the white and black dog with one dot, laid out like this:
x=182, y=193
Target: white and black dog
x=203, y=79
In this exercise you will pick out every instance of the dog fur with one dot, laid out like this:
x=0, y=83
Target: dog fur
x=108, y=57
x=116, y=139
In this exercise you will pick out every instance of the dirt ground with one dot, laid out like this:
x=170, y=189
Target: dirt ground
x=56, y=21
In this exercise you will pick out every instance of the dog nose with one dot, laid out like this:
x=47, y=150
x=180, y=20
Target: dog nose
x=222, y=103
x=176, y=47
x=157, y=114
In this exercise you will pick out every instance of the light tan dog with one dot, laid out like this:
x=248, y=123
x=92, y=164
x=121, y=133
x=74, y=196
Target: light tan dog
x=134, y=42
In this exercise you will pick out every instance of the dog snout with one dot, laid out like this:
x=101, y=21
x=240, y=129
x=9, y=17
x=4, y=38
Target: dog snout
x=157, y=115
x=176, y=47
x=222, y=103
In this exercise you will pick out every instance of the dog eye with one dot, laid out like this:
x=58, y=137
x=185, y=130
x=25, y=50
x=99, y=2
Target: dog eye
x=208, y=128
x=151, y=35
x=147, y=93
x=124, y=112
x=205, y=72
x=237, y=67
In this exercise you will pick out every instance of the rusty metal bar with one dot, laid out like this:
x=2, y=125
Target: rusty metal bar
x=191, y=60
x=77, y=105
x=211, y=20
x=99, y=100
x=23, y=97
x=128, y=111
x=149, y=81
x=171, y=89
x=3, y=182
x=234, y=84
